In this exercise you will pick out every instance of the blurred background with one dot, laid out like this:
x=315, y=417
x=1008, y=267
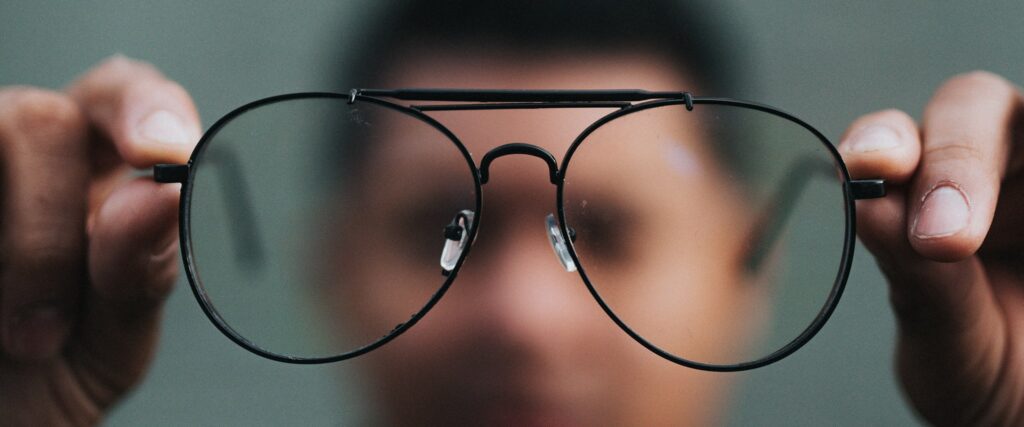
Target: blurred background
x=827, y=63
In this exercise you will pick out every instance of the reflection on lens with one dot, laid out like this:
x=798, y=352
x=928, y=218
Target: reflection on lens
x=715, y=234
x=317, y=226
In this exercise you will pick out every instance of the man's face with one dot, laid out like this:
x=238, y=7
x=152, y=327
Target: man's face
x=518, y=340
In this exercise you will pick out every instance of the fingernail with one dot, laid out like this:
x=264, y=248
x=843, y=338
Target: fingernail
x=39, y=332
x=945, y=211
x=873, y=138
x=165, y=127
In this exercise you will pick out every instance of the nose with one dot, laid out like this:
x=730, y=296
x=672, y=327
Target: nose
x=519, y=296
x=555, y=235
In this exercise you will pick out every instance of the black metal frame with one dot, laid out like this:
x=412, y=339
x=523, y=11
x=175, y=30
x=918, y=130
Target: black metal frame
x=624, y=102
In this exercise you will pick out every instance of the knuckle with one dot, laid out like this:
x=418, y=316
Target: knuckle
x=41, y=250
x=958, y=151
x=28, y=108
x=961, y=158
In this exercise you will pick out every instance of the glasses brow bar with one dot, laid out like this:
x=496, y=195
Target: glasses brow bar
x=509, y=95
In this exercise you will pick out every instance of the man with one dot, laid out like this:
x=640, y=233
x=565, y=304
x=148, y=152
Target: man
x=955, y=296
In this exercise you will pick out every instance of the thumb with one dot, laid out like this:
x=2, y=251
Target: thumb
x=933, y=301
x=951, y=335
x=952, y=343
x=133, y=264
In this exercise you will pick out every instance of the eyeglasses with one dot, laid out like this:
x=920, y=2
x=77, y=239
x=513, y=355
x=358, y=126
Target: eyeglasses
x=316, y=227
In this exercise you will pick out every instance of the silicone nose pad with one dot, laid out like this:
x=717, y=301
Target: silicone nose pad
x=456, y=236
x=559, y=245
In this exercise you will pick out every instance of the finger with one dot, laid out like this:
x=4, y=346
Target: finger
x=1003, y=240
x=949, y=320
x=966, y=131
x=952, y=348
x=936, y=296
x=45, y=173
x=947, y=316
x=133, y=263
x=122, y=265
x=882, y=145
x=149, y=118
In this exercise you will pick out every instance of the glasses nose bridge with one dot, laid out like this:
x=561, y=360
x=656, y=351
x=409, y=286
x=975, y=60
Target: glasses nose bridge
x=555, y=235
x=518, y=148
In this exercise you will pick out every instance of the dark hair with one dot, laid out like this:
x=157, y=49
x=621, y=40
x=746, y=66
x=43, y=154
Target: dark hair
x=689, y=34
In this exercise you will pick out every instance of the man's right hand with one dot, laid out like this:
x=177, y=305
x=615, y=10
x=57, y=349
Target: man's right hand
x=87, y=253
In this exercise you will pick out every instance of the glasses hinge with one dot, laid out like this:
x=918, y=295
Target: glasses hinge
x=170, y=173
x=867, y=188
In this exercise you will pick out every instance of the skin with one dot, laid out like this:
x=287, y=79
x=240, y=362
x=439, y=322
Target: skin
x=957, y=296
x=510, y=345
x=92, y=252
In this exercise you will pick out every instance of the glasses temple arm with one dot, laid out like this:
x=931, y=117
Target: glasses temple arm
x=769, y=225
x=237, y=202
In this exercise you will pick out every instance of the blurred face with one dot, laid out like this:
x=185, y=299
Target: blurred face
x=518, y=340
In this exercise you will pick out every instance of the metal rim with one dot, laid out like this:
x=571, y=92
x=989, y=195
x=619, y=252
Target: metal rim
x=841, y=276
x=184, y=230
x=808, y=333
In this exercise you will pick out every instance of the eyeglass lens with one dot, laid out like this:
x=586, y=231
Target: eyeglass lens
x=319, y=226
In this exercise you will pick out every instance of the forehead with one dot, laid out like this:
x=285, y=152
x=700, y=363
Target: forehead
x=476, y=67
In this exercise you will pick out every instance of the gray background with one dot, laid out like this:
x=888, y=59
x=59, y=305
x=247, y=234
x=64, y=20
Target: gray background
x=828, y=63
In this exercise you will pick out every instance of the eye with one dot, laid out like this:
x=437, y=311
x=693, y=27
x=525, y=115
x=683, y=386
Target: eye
x=606, y=233
x=416, y=223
